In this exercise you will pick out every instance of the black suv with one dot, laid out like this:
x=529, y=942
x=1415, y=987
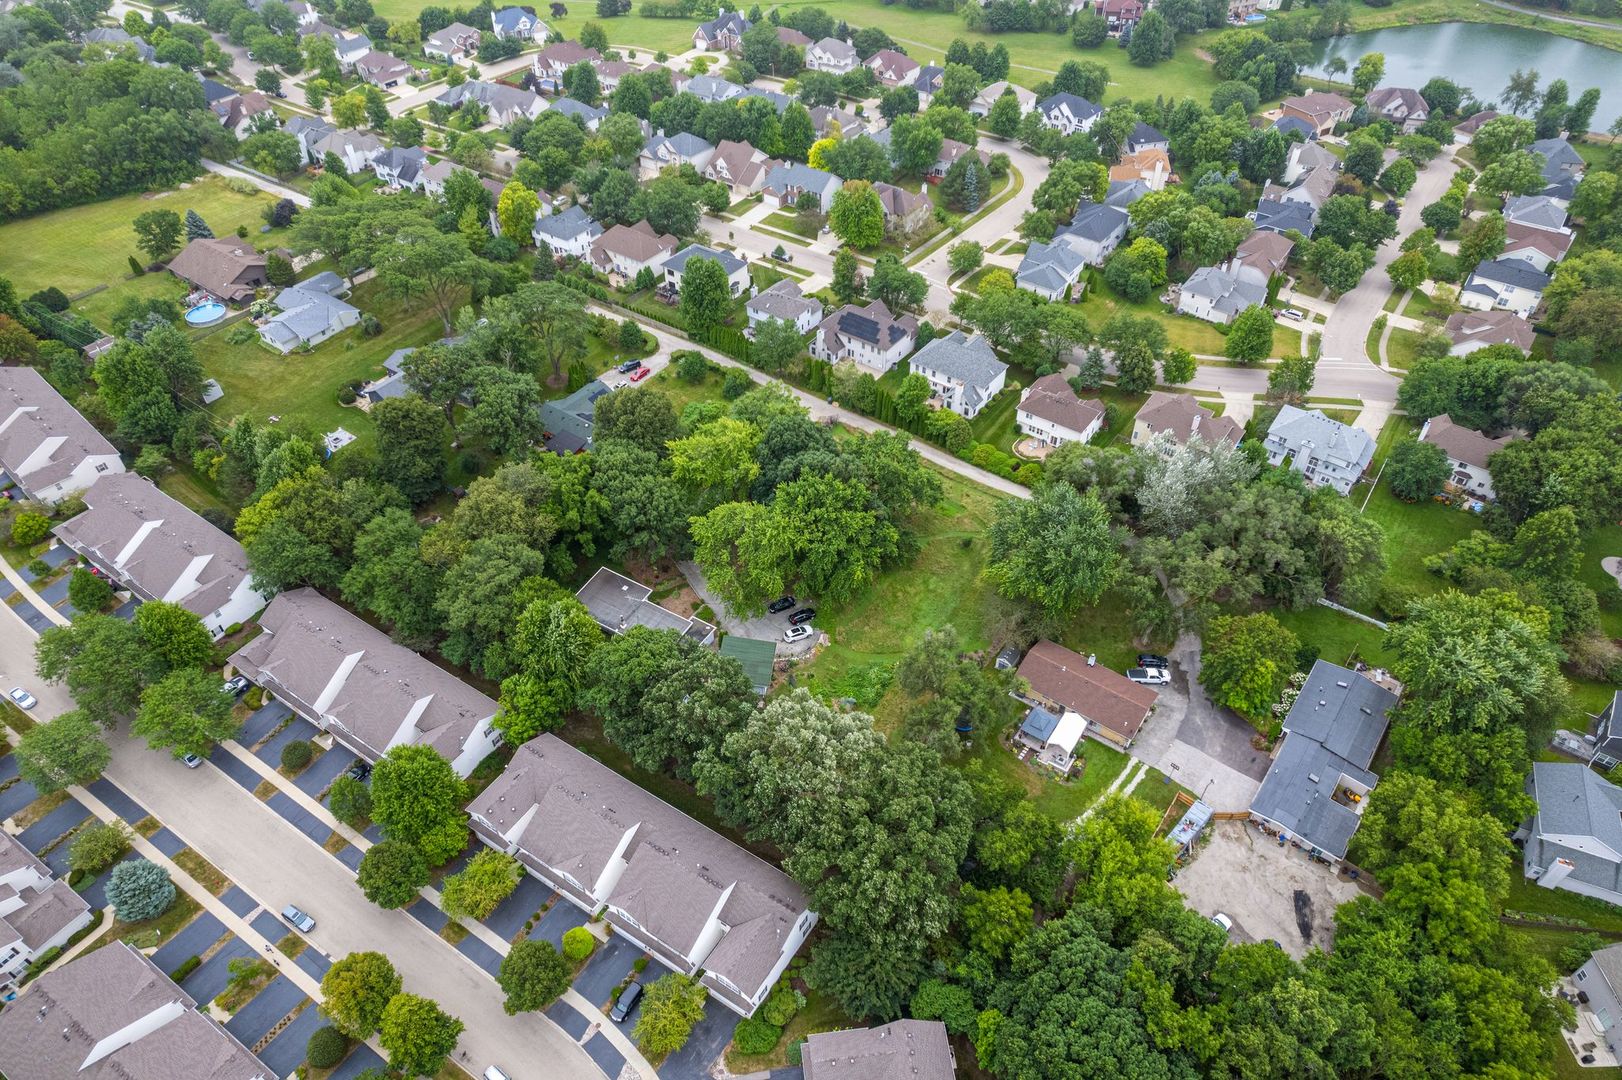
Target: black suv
x=803, y=616
x=360, y=770
x=626, y=1003
x=1149, y=659
x=629, y=366
x=781, y=604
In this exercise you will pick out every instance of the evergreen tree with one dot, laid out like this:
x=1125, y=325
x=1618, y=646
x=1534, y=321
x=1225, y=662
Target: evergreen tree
x=196, y=227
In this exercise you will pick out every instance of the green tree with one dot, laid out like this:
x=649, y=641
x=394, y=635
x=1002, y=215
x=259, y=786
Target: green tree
x=1367, y=74
x=417, y=798
x=426, y=264
x=391, y=872
x=1246, y=662
x=96, y=847
x=847, y=281
x=1137, y=270
x=175, y=637
x=516, y=210
x=157, y=233
x=505, y=410
x=1364, y=156
x=1178, y=366
x=671, y=1006
x=417, y=1034
x=899, y=288
x=857, y=215
x=1056, y=550
x=533, y=975
x=101, y=660
x=1153, y=40
x=1417, y=470
x=1409, y=270
x=995, y=920
x=1399, y=177
x=488, y=879
x=61, y=752
x=776, y=343
x=964, y=257
x=350, y=799
x=139, y=890
x=89, y=592
x=1003, y=120
x=411, y=437
x=706, y=295
x=185, y=712
x=1250, y=337
x=356, y=990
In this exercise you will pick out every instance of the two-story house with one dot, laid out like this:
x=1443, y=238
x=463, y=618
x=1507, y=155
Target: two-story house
x=502, y=103
x=1217, y=295
x=962, y=370
x=1473, y=330
x=1468, y=452
x=723, y=33
x=570, y=233
x=786, y=182
x=893, y=69
x=1068, y=113
x=624, y=251
x=869, y=336
x=37, y=912
x=552, y=61
x=1509, y=284
x=1321, y=109
x=832, y=56
x=785, y=302
x=1327, y=452
x=46, y=447
x=682, y=148
x=1574, y=839
x=517, y=24
x=738, y=165
x=453, y=42
x=1095, y=231
x=1053, y=414
x=737, y=270
x=904, y=210
x=1178, y=419
x=1049, y=270
x=1400, y=105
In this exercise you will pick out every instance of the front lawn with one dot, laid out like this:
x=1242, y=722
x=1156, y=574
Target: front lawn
x=1402, y=348
x=1100, y=301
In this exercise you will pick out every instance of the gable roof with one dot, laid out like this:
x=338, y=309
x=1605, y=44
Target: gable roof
x=1317, y=103
x=1536, y=210
x=889, y=59
x=1075, y=104
x=1296, y=428
x=929, y=78
x=568, y=225
x=898, y=201
x=711, y=88
x=791, y=175
x=1183, y=418
x=1225, y=292
x=1105, y=697
x=783, y=300
x=729, y=262
x=739, y=162
x=1386, y=98
x=873, y=324
x=508, y=18
x=837, y=49
x=1579, y=807
x=43, y=439
x=790, y=36
x=42, y=907
x=341, y=668
x=568, y=420
x=1287, y=124
x=157, y=543
x=1519, y=236
x=1050, y=266
x=1495, y=327
x=683, y=144
x=1142, y=135
x=1265, y=251
x=1312, y=155
x=618, y=604
x=969, y=359
x=1050, y=398
x=564, y=54
x=1515, y=272
x=899, y=1050
x=1473, y=124
x=1559, y=156
x=569, y=106
x=225, y=266
x=1282, y=216
x=727, y=22
x=638, y=243
x=1461, y=443
x=447, y=36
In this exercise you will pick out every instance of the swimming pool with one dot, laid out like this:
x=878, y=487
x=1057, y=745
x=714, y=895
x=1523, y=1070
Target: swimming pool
x=206, y=313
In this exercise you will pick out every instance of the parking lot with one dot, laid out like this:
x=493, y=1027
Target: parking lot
x=1271, y=892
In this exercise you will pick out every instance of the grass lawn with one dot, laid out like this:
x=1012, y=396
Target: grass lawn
x=1336, y=636
x=1402, y=348
x=1195, y=335
x=1414, y=531
x=1105, y=629
x=790, y=223
x=153, y=932
x=82, y=247
x=1062, y=800
x=303, y=387
x=196, y=491
x=821, y=1013
x=1598, y=544
x=1535, y=900
x=682, y=393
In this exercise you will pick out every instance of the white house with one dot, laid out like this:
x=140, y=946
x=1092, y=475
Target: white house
x=400, y=167
x=962, y=370
x=1050, y=412
x=1048, y=270
x=1473, y=330
x=569, y=233
x=453, y=42
x=1095, y=232
x=1467, y=452
x=785, y=184
x=682, y=148
x=869, y=336
x=1303, y=157
x=893, y=69
x=46, y=447
x=1068, y=113
x=37, y=912
x=785, y=302
x=1401, y=105
x=309, y=313
x=1509, y=284
x=1326, y=452
x=625, y=251
x=986, y=98
x=833, y=56
x=1218, y=296
x=517, y=23
x=737, y=270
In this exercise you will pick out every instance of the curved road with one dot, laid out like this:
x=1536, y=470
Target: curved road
x=1501, y=5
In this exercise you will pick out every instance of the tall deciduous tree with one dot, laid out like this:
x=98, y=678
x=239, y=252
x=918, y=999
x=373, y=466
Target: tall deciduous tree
x=1250, y=337
x=705, y=295
x=857, y=215
x=516, y=211
x=418, y=1035
x=391, y=872
x=157, y=233
x=355, y=991
x=416, y=797
x=1246, y=662
x=425, y=264
x=185, y=712
x=671, y=1007
x=1056, y=551
x=61, y=752
x=411, y=438
x=533, y=975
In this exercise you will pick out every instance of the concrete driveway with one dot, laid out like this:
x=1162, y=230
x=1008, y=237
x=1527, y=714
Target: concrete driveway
x=764, y=627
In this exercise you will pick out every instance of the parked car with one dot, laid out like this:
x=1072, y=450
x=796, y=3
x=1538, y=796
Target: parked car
x=780, y=255
x=237, y=685
x=360, y=770
x=797, y=633
x=298, y=919
x=781, y=604
x=1149, y=676
x=493, y=1073
x=629, y=366
x=641, y=373
x=191, y=761
x=803, y=616
x=1223, y=921
x=23, y=698
x=627, y=1002
x=1294, y=313
x=1149, y=659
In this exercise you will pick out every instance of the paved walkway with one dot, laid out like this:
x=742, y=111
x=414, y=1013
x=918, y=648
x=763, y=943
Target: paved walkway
x=30, y=596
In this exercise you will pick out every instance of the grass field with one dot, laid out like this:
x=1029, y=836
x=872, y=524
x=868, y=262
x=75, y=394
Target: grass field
x=1197, y=336
x=85, y=246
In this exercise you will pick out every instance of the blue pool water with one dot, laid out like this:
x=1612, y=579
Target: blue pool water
x=211, y=311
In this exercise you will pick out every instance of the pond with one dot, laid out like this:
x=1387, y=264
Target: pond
x=1481, y=56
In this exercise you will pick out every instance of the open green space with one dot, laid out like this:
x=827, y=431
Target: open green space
x=1402, y=348
x=1336, y=637
x=1062, y=800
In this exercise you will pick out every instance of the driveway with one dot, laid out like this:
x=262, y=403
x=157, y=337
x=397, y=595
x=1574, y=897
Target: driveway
x=764, y=627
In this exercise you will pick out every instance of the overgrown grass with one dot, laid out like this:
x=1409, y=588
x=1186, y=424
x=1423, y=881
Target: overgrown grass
x=1336, y=636
x=821, y=1013
x=1529, y=896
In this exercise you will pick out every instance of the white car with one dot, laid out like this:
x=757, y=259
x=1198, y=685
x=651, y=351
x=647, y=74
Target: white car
x=1223, y=921
x=797, y=633
x=23, y=698
x=1149, y=676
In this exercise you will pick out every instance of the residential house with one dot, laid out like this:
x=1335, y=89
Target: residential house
x=1153, y=167
x=503, y=104
x=1303, y=157
x=160, y=549
x=1068, y=113
x=756, y=656
x=1095, y=232
x=1400, y=105
x=618, y=604
x=1467, y=453
x=308, y=131
x=786, y=302
x=1114, y=706
x=709, y=88
x=355, y=150
x=1180, y=419
x=1536, y=212
x=570, y=233
x=1143, y=137
x=392, y=384
x=453, y=42
x=1327, y=452
x=1049, y=270
x=699, y=903
x=624, y=251
x=738, y=165
x=214, y=91
x=1320, y=109
x=1259, y=256
x=47, y=448
x=1121, y=15
x=869, y=336
x=1539, y=248
x=610, y=72
x=567, y=422
x=1510, y=284
x=787, y=35
x=517, y=24
x=225, y=267
x=1560, y=159
x=303, y=14
x=928, y=83
x=1466, y=129
x=989, y=96
x=37, y=912
x=589, y=115
x=682, y=148
x=951, y=150
x=310, y=313
x=111, y=1014
x=723, y=33
x=825, y=117
x=893, y=69
x=1275, y=215
x=737, y=270
x=904, y=211
x=833, y=56
x=779, y=102
x=1472, y=330
x=1318, y=785
x=1573, y=841
x=382, y=70
x=114, y=38
x=962, y=371
x=552, y=61
x=910, y=1049
x=1312, y=188
x=1217, y=295
x=1606, y=742
x=1051, y=736
x=400, y=167
x=787, y=181
x=351, y=48
x=1052, y=413
x=1294, y=125
x=349, y=678
x=1600, y=981
x=239, y=112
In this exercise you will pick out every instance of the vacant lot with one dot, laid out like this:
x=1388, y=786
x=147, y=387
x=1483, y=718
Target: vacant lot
x=1271, y=893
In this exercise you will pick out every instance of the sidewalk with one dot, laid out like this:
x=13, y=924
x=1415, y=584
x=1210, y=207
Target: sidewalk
x=26, y=591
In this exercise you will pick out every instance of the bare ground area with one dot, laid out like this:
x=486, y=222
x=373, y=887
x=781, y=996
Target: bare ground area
x=1271, y=893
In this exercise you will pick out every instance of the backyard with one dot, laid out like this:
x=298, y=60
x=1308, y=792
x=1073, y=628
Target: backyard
x=1183, y=331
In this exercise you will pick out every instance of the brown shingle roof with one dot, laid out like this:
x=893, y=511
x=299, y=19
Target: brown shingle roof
x=1490, y=328
x=1180, y=416
x=1050, y=398
x=1461, y=443
x=638, y=242
x=1317, y=103
x=1105, y=697
x=226, y=266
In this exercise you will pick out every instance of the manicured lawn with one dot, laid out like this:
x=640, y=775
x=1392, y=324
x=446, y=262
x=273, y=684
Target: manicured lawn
x=1414, y=531
x=1336, y=636
x=1402, y=348
x=1105, y=630
x=85, y=246
x=790, y=223
x=1100, y=302
x=303, y=387
x=1603, y=542
x=682, y=393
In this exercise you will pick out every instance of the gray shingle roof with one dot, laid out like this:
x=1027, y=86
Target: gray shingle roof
x=568, y=225
x=1581, y=808
x=1079, y=106
x=794, y=175
x=784, y=300
x=1144, y=136
x=1298, y=429
x=569, y=419
x=683, y=143
x=305, y=314
x=1516, y=272
x=619, y=604
x=1535, y=210
x=729, y=262
x=1096, y=221
x=1559, y=156
x=1052, y=266
x=40, y=429
x=900, y=1050
x=568, y=106
x=1227, y=293
x=1280, y=216
x=962, y=357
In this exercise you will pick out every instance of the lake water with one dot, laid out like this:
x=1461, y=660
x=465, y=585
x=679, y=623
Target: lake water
x=1481, y=56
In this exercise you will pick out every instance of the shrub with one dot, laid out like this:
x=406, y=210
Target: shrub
x=782, y=1006
x=347, y=396
x=139, y=891
x=755, y=1037
x=578, y=943
x=51, y=298
x=794, y=1053
x=136, y=269
x=326, y=1047
x=350, y=799
x=88, y=592
x=370, y=325
x=29, y=528
x=254, y=699
x=297, y=754
x=736, y=384
x=691, y=366
x=38, y=567
x=98, y=846
x=640, y=965
x=242, y=232
x=187, y=966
